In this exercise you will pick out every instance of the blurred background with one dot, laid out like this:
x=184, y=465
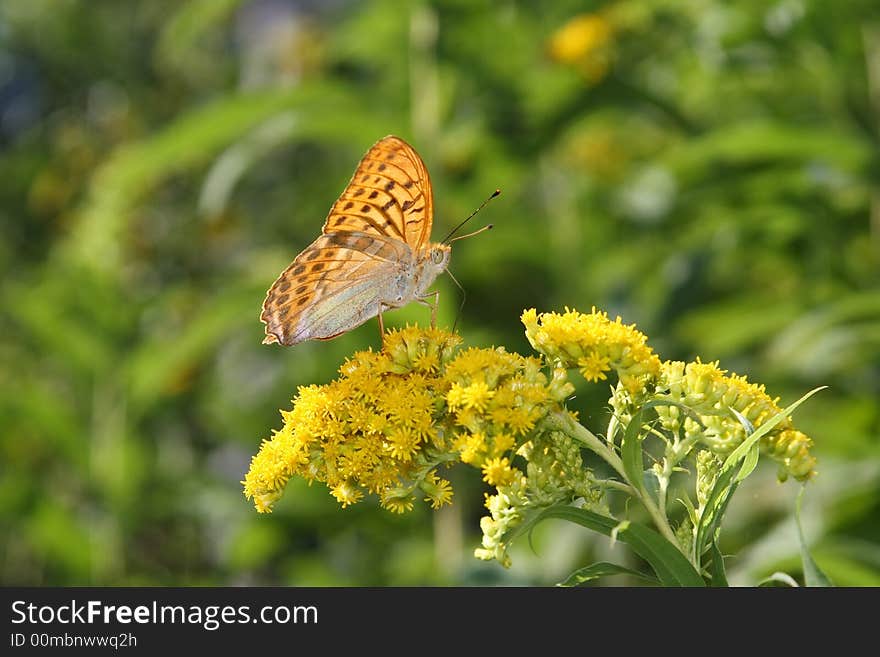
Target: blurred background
x=709, y=171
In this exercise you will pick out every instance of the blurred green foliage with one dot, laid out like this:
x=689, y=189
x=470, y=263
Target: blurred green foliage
x=707, y=170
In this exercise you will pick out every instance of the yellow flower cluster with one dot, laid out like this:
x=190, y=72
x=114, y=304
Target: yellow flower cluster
x=371, y=430
x=496, y=397
x=392, y=417
x=593, y=344
x=495, y=402
x=712, y=393
x=555, y=474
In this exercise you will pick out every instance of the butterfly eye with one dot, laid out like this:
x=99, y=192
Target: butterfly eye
x=436, y=256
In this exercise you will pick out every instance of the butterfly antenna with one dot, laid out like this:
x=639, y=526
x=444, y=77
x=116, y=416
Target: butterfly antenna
x=476, y=232
x=463, y=299
x=471, y=216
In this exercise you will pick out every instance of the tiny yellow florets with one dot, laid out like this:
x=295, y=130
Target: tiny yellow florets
x=594, y=366
x=593, y=344
x=477, y=396
x=471, y=447
x=345, y=493
x=397, y=504
x=367, y=430
x=497, y=472
x=392, y=417
x=438, y=491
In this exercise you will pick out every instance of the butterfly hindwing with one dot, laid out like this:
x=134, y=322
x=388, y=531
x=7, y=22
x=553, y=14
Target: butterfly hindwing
x=334, y=285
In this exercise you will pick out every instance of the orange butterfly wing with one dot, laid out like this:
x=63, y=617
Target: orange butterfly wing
x=389, y=194
x=381, y=221
x=334, y=285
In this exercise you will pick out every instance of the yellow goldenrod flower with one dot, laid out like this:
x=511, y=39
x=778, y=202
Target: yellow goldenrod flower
x=792, y=449
x=455, y=397
x=345, y=493
x=471, y=447
x=437, y=490
x=594, y=366
x=398, y=503
x=388, y=421
x=477, y=396
x=366, y=430
x=403, y=443
x=502, y=442
x=497, y=472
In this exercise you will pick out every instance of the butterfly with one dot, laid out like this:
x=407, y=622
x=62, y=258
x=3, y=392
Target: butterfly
x=374, y=253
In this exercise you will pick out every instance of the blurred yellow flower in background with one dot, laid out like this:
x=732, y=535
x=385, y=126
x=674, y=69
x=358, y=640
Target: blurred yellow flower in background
x=586, y=43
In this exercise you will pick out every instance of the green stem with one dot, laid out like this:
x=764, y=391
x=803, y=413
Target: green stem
x=560, y=421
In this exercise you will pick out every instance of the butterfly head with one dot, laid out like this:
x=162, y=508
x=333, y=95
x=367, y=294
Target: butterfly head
x=438, y=256
x=433, y=262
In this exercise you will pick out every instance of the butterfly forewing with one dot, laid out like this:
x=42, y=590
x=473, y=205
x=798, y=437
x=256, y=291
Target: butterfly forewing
x=389, y=194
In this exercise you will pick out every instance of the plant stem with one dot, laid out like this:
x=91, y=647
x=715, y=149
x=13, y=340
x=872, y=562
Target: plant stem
x=559, y=421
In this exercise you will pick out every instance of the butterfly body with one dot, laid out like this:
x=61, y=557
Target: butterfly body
x=374, y=252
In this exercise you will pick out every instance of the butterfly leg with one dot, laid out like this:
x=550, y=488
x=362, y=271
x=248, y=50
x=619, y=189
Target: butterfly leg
x=433, y=306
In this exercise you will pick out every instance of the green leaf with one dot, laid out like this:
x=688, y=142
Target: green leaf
x=670, y=565
x=602, y=569
x=750, y=462
x=743, y=420
x=716, y=570
x=813, y=575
